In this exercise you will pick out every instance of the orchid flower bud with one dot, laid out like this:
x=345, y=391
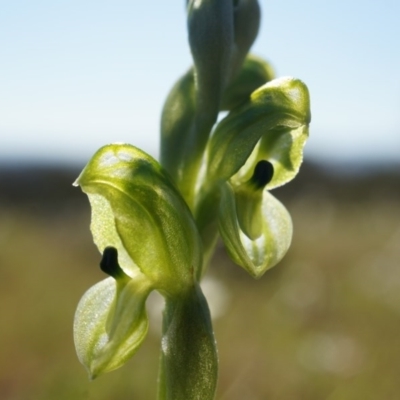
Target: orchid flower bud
x=220, y=35
x=247, y=16
x=211, y=38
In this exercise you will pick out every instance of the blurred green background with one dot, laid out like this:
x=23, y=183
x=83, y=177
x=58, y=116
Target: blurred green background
x=324, y=324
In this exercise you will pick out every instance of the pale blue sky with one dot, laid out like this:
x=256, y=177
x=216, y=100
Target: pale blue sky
x=75, y=75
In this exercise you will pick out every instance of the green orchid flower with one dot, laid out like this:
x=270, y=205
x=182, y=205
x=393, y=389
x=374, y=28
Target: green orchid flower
x=256, y=148
x=139, y=220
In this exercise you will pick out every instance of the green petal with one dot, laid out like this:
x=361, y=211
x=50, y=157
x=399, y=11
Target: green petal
x=110, y=324
x=279, y=114
x=137, y=209
x=258, y=255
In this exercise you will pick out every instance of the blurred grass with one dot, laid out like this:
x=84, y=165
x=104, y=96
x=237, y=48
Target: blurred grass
x=324, y=324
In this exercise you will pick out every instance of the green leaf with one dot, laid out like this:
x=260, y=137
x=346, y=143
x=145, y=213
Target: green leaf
x=189, y=361
x=272, y=125
x=255, y=255
x=111, y=323
x=137, y=209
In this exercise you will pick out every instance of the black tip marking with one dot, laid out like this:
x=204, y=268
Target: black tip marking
x=263, y=173
x=109, y=263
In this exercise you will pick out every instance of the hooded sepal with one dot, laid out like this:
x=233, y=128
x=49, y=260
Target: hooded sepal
x=137, y=209
x=272, y=125
x=273, y=227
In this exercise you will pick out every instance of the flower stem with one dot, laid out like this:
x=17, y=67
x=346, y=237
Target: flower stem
x=188, y=361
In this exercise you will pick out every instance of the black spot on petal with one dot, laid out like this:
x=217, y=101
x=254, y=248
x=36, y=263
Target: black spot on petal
x=263, y=173
x=109, y=263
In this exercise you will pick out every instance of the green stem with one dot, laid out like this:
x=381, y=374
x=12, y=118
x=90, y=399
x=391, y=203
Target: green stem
x=188, y=361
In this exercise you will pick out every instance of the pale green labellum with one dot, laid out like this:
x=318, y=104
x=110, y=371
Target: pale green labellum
x=263, y=252
x=111, y=323
x=137, y=209
x=272, y=125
